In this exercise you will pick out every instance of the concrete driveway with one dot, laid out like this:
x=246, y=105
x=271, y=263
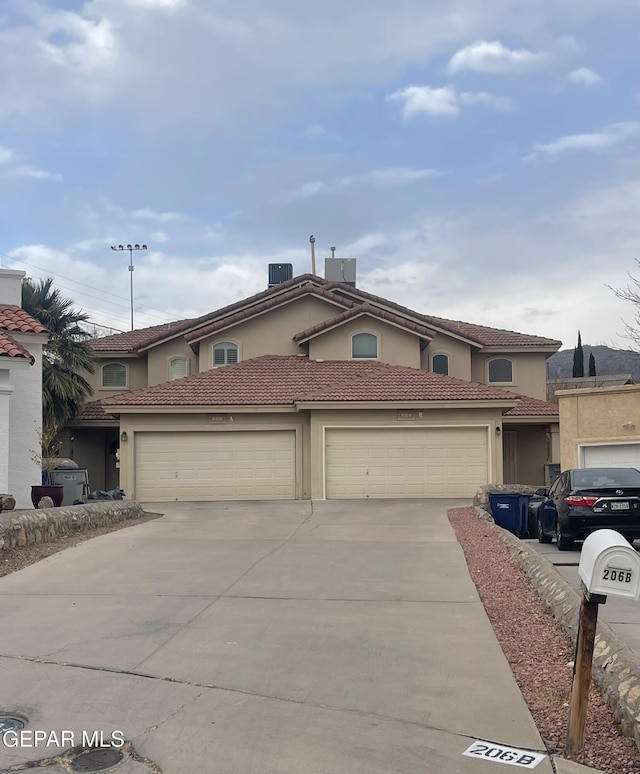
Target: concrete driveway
x=288, y=637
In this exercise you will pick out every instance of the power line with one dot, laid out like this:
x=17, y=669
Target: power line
x=110, y=298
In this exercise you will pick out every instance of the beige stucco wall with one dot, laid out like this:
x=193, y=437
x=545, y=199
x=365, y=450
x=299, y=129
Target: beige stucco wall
x=270, y=333
x=395, y=346
x=597, y=415
x=459, y=355
x=159, y=357
x=236, y=421
x=529, y=372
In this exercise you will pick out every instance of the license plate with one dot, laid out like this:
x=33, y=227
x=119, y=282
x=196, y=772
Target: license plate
x=622, y=505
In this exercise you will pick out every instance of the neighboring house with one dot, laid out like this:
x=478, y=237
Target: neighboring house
x=580, y=382
x=316, y=389
x=600, y=427
x=21, y=340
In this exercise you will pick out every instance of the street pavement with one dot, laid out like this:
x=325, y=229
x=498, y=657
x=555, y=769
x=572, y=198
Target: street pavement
x=622, y=615
x=328, y=637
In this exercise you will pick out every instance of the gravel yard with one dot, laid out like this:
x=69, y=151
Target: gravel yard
x=540, y=656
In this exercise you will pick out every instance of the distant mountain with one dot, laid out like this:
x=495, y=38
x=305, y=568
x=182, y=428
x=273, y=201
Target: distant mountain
x=608, y=361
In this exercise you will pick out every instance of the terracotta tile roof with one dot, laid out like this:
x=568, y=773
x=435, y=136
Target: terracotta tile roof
x=338, y=292
x=366, y=308
x=14, y=318
x=93, y=411
x=9, y=347
x=532, y=407
x=131, y=341
x=263, y=306
x=481, y=334
x=286, y=379
x=492, y=337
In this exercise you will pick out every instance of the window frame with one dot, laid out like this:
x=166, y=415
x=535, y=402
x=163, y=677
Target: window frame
x=173, y=360
x=124, y=386
x=441, y=354
x=500, y=381
x=229, y=345
x=375, y=336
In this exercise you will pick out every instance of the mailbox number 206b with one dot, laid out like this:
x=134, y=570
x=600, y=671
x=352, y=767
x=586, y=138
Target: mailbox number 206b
x=613, y=574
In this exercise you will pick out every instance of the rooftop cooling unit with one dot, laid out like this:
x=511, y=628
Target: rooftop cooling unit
x=340, y=270
x=279, y=272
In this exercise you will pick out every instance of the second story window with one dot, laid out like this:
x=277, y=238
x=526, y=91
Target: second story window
x=501, y=371
x=440, y=364
x=364, y=345
x=114, y=375
x=178, y=368
x=225, y=353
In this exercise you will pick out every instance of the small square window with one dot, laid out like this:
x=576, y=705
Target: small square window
x=178, y=368
x=225, y=353
x=114, y=375
x=440, y=364
x=364, y=345
x=501, y=371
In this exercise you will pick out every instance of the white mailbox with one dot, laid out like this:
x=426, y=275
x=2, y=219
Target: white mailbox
x=609, y=565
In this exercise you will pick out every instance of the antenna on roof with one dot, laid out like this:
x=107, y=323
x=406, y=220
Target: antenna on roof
x=312, y=240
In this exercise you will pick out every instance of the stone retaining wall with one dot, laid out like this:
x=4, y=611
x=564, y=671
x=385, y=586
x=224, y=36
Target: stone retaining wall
x=616, y=668
x=25, y=527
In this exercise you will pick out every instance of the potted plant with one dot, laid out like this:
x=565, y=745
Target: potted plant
x=46, y=459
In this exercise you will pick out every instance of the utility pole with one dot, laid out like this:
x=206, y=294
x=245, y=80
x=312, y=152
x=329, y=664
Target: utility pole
x=130, y=248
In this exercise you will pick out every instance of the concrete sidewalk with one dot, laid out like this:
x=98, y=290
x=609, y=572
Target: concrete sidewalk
x=264, y=638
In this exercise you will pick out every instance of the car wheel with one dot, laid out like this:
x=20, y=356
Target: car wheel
x=564, y=543
x=542, y=538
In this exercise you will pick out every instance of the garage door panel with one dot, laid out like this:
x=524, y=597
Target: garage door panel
x=412, y=462
x=621, y=455
x=246, y=465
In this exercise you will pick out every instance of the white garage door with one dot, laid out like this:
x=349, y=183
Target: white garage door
x=618, y=455
x=250, y=465
x=405, y=462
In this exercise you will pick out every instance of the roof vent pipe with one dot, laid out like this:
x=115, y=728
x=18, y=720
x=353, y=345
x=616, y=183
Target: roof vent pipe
x=312, y=240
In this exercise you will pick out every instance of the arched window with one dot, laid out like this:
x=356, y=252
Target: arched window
x=501, y=371
x=178, y=368
x=440, y=364
x=225, y=353
x=364, y=345
x=114, y=375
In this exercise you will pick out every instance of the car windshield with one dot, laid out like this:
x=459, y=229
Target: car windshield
x=597, y=478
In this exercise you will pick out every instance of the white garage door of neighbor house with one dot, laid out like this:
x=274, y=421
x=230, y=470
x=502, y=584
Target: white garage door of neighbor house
x=614, y=455
x=405, y=462
x=247, y=465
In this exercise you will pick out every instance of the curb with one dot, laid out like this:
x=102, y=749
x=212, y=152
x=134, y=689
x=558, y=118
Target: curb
x=616, y=668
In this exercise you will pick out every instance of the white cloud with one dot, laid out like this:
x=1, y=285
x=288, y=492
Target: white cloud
x=160, y=217
x=425, y=99
x=387, y=176
x=484, y=98
x=443, y=101
x=7, y=155
x=492, y=57
x=584, y=77
x=9, y=159
x=596, y=141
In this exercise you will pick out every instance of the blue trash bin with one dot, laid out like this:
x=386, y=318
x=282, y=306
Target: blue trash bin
x=510, y=511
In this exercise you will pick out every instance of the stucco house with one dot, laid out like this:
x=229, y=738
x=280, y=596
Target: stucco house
x=316, y=389
x=600, y=427
x=21, y=341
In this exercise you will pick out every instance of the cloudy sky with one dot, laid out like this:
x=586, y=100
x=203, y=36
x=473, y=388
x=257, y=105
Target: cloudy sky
x=478, y=159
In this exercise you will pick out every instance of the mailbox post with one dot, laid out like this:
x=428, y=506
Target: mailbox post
x=608, y=565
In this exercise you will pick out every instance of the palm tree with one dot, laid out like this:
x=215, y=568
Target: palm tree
x=66, y=354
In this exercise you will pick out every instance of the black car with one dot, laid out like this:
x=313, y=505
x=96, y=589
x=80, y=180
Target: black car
x=583, y=500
